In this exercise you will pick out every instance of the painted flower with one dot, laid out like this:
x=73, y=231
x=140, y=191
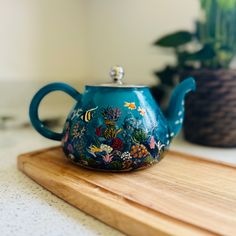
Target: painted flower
x=107, y=158
x=125, y=156
x=152, y=143
x=130, y=105
x=117, y=144
x=106, y=148
x=141, y=111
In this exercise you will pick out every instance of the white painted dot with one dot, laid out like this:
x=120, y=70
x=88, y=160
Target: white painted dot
x=167, y=135
x=177, y=122
x=181, y=120
x=180, y=113
x=172, y=134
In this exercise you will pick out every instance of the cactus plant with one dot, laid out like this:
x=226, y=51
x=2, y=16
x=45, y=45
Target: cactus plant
x=214, y=41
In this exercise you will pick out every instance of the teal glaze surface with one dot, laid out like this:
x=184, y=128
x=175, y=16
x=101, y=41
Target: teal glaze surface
x=115, y=128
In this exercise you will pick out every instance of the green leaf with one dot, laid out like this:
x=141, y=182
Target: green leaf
x=167, y=75
x=224, y=57
x=203, y=3
x=204, y=54
x=226, y=48
x=226, y=4
x=174, y=40
x=200, y=29
x=159, y=92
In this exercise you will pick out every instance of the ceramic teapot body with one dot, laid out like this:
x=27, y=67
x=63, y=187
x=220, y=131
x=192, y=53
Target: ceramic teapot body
x=114, y=128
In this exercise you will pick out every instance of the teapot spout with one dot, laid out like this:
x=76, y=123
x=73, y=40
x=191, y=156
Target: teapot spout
x=175, y=110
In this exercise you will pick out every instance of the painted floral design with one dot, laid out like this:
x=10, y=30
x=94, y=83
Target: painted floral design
x=110, y=139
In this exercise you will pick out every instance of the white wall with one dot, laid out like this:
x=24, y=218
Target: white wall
x=43, y=40
x=81, y=39
x=77, y=41
x=122, y=32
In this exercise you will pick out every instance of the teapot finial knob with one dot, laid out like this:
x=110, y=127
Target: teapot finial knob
x=117, y=73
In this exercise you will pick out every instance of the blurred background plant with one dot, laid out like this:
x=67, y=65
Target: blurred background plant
x=207, y=54
x=211, y=46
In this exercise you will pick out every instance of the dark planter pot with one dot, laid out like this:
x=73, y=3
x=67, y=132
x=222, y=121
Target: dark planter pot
x=211, y=111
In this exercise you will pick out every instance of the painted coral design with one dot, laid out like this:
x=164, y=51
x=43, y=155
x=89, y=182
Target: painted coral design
x=111, y=114
x=139, y=151
x=106, y=148
x=152, y=143
x=126, y=156
x=119, y=142
x=107, y=158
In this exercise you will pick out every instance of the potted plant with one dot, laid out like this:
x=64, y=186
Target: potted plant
x=205, y=54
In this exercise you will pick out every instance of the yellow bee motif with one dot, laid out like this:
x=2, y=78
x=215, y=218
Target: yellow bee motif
x=111, y=133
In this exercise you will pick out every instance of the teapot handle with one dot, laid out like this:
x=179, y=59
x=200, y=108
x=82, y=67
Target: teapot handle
x=34, y=105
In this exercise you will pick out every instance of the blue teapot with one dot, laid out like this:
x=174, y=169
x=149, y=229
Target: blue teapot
x=115, y=127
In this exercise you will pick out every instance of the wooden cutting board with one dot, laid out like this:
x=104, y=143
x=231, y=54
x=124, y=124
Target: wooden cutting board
x=182, y=195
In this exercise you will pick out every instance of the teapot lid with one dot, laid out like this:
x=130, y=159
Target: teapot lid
x=117, y=73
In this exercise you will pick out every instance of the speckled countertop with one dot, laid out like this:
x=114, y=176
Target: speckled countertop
x=28, y=209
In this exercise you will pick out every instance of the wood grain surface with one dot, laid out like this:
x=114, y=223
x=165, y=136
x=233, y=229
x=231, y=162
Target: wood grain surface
x=181, y=195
